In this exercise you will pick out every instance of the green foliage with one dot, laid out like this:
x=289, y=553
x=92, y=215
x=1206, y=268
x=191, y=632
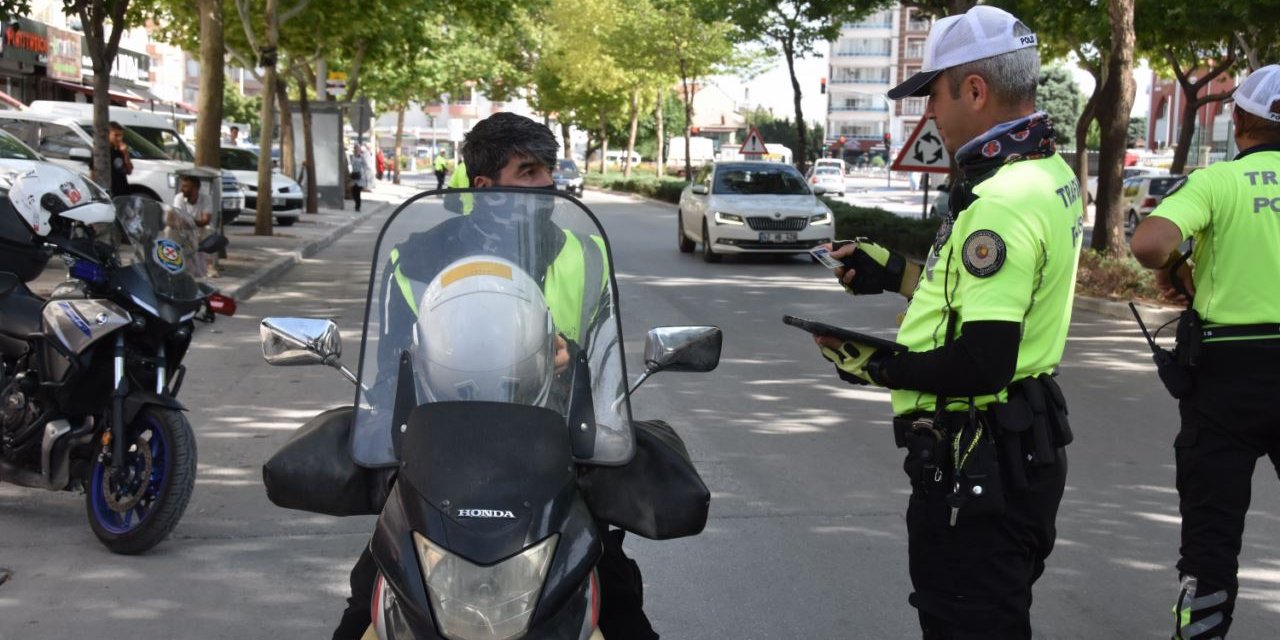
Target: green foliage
x=910, y=236
x=664, y=189
x=783, y=131
x=1058, y=95
x=877, y=161
x=237, y=107
x=1137, y=129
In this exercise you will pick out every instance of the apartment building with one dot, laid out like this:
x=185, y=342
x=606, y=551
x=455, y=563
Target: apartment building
x=869, y=58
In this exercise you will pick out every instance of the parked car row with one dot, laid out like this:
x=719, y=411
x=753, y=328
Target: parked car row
x=62, y=133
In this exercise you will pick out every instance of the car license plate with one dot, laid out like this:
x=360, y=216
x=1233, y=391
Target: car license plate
x=777, y=236
x=277, y=202
x=563, y=186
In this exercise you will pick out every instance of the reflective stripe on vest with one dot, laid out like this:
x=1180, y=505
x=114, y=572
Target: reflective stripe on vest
x=405, y=284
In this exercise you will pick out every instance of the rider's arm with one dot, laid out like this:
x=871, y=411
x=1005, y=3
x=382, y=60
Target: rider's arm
x=980, y=362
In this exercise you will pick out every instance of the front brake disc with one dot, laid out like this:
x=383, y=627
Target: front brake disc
x=122, y=499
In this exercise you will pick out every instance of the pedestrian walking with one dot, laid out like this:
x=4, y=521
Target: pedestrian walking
x=121, y=163
x=1228, y=346
x=974, y=399
x=359, y=174
x=381, y=162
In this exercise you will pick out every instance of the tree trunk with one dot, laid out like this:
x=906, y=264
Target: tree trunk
x=1087, y=116
x=399, y=134
x=308, y=143
x=353, y=76
x=801, y=158
x=660, y=156
x=631, y=137
x=286, y=127
x=604, y=141
x=102, y=51
x=263, y=224
x=564, y=133
x=1113, y=122
x=212, y=79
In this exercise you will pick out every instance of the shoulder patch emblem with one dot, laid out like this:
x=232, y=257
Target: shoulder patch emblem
x=983, y=253
x=1177, y=185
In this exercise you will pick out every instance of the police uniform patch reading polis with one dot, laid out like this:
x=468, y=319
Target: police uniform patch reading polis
x=983, y=253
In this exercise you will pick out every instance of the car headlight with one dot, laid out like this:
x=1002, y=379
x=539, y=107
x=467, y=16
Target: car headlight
x=173, y=181
x=729, y=218
x=472, y=602
x=821, y=218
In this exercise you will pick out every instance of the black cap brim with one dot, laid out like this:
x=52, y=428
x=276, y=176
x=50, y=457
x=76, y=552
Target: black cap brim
x=917, y=86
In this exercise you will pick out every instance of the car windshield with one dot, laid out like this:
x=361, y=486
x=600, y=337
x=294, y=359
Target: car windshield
x=1161, y=186
x=168, y=141
x=828, y=171
x=566, y=166
x=238, y=159
x=12, y=148
x=139, y=147
x=746, y=179
x=467, y=301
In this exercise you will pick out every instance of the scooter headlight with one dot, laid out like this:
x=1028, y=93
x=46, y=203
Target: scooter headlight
x=471, y=602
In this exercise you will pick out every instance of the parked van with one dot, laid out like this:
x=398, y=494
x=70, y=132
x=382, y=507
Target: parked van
x=701, y=151
x=617, y=157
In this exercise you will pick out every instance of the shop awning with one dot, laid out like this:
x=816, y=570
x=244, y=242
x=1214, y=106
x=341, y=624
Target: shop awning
x=116, y=93
x=11, y=102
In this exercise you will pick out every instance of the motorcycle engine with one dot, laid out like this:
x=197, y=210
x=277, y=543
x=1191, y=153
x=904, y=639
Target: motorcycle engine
x=18, y=409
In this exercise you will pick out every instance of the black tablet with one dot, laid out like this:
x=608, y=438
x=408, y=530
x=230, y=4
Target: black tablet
x=820, y=329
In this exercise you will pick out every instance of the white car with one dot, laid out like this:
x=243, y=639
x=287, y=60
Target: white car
x=1125, y=175
x=287, y=197
x=830, y=178
x=751, y=207
x=1141, y=195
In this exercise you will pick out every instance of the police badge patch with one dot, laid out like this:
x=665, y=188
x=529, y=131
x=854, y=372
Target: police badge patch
x=983, y=253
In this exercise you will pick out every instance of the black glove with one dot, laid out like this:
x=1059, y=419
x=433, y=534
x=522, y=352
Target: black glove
x=877, y=269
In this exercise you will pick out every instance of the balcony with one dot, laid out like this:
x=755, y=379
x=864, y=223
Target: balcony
x=860, y=82
x=865, y=53
x=858, y=108
x=918, y=26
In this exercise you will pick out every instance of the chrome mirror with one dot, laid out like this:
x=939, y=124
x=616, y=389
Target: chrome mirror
x=699, y=189
x=302, y=341
x=694, y=349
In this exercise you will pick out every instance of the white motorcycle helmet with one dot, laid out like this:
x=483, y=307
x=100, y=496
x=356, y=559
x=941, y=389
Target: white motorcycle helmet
x=484, y=333
x=49, y=190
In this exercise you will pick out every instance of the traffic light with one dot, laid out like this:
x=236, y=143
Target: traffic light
x=822, y=86
x=887, y=139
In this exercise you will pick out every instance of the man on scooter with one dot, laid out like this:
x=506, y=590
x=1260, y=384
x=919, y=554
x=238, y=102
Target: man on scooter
x=505, y=150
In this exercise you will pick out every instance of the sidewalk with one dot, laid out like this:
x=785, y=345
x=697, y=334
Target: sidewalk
x=254, y=260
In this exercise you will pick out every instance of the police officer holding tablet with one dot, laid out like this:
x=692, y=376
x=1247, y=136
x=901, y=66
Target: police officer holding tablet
x=983, y=422
x=1229, y=419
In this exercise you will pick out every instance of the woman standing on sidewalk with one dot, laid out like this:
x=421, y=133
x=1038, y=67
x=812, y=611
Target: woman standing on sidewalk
x=359, y=174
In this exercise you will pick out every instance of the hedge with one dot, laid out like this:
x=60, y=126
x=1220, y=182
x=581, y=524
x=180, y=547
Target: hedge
x=664, y=189
x=910, y=236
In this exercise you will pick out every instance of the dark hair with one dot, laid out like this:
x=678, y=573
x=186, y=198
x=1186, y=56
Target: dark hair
x=235, y=128
x=192, y=179
x=491, y=144
x=115, y=126
x=1264, y=130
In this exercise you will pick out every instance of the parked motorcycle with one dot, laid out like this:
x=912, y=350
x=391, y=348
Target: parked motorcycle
x=489, y=403
x=90, y=377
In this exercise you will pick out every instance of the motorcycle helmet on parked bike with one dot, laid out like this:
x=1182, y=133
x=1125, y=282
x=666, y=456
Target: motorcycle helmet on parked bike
x=48, y=191
x=484, y=333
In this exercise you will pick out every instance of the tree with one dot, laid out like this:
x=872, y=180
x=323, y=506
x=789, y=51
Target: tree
x=1058, y=96
x=796, y=27
x=238, y=107
x=1137, y=130
x=782, y=131
x=1113, y=119
x=104, y=43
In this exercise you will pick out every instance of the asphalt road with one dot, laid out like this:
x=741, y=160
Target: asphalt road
x=806, y=538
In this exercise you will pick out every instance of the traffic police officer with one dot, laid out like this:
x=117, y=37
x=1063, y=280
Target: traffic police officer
x=1229, y=420
x=983, y=422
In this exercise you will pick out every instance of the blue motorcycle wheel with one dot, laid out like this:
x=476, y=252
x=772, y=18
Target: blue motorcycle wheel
x=136, y=512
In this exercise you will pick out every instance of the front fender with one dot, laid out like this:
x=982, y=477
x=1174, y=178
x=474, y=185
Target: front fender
x=139, y=398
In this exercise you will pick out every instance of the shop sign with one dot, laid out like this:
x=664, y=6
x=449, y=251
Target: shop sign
x=64, y=55
x=25, y=41
x=130, y=66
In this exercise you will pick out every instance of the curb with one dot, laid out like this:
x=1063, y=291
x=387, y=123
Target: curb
x=278, y=267
x=636, y=196
x=1151, y=314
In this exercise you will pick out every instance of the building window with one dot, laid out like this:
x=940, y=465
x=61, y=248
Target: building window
x=878, y=20
x=863, y=47
x=915, y=48
x=917, y=22
x=862, y=76
x=913, y=106
x=862, y=130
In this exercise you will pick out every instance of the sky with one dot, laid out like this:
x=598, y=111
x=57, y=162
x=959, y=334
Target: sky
x=772, y=89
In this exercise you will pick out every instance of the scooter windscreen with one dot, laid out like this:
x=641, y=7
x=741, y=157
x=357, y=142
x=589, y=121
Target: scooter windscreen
x=493, y=295
x=164, y=245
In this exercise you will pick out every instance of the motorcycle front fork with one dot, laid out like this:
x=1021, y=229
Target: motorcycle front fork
x=117, y=401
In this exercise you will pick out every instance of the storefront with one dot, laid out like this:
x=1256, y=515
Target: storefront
x=23, y=59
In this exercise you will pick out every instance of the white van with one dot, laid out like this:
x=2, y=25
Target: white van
x=616, y=157
x=701, y=151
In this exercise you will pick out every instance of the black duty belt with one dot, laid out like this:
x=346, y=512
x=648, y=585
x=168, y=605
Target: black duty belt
x=1267, y=330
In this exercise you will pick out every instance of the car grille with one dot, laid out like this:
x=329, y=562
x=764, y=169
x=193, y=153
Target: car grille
x=763, y=223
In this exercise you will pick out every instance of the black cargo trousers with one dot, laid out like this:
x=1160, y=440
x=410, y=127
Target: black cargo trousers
x=1230, y=419
x=972, y=579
